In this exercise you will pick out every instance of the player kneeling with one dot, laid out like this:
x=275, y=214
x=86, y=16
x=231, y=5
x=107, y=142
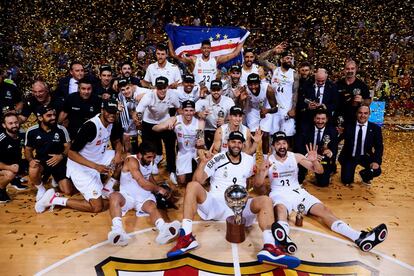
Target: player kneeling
x=136, y=192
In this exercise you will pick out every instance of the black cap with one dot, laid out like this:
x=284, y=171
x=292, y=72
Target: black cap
x=188, y=78
x=253, y=78
x=124, y=82
x=187, y=104
x=280, y=135
x=105, y=67
x=42, y=109
x=236, y=135
x=216, y=84
x=161, y=82
x=235, y=67
x=111, y=106
x=234, y=110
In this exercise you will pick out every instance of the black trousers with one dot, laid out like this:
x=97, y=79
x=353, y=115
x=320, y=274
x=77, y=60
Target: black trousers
x=209, y=138
x=348, y=166
x=168, y=137
x=323, y=179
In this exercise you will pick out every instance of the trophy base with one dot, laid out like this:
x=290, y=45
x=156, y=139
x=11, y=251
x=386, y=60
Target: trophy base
x=235, y=232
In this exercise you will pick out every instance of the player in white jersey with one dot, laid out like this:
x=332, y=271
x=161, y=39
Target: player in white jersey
x=205, y=67
x=88, y=158
x=189, y=91
x=190, y=137
x=235, y=124
x=287, y=195
x=224, y=170
x=249, y=66
x=259, y=103
x=162, y=67
x=137, y=188
x=232, y=87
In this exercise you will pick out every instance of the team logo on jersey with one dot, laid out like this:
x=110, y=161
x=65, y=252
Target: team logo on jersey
x=189, y=264
x=8, y=95
x=56, y=138
x=91, y=109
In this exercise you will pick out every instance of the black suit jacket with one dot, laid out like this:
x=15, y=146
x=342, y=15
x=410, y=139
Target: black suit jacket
x=373, y=145
x=330, y=96
x=62, y=90
x=307, y=136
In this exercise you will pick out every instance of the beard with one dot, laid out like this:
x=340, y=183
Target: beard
x=50, y=124
x=286, y=65
x=281, y=152
x=234, y=151
x=13, y=130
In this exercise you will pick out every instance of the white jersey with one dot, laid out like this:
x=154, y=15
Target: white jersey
x=186, y=135
x=170, y=71
x=282, y=83
x=223, y=173
x=205, y=71
x=245, y=74
x=95, y=150
x=129, y=185
x=283, y=175
x=225, y=132
x=155, y=110
x=255, y=103
x=223, y=106
x=194, y=95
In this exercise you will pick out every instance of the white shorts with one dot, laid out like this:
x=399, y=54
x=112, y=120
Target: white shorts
x=215, y=208
x=87, y=180
x=184, y=163
x=253, y=122
x=279, y=123
x=136, y=203
x=292, y=198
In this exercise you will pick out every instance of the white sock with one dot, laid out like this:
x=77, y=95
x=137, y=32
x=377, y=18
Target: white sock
x=40, y=190
x=264, y=157
x=285, y=226
x=159, y=224
x=345, y=230
x=268, y=237
x=110, y=183
x=61, y=201
x=187, y=225
x=117, y=222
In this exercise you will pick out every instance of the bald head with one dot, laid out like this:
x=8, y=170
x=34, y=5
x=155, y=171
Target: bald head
x=320, y=77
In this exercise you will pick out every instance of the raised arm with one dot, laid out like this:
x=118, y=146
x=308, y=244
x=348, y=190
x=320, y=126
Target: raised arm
x=235, y=53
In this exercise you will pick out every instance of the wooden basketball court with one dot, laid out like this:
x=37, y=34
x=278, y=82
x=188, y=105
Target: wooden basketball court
x=33, y=243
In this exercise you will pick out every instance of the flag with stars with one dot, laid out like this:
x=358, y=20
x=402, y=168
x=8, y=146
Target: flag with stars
x=187, y=39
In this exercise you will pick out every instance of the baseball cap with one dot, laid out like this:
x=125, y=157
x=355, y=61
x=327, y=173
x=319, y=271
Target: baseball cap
x=235, y=67
x=111, y=106
x=42, y=109
x=124, y=82
x=236, y=135
x=234, y=110
x=105, y=67
x=253, y=78
x=280, y=135
x=188, y=78
x=187, y=104
x=161, y=82
x=216, y=84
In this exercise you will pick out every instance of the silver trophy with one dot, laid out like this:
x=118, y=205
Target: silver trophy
x=299, y=215
x=236, y=198
x=326, y=139
x=340, y=121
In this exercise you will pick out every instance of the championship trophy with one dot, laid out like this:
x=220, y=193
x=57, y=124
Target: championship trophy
x=340, y=121
x=236, y=198
x=299, y=215
x=326, y=139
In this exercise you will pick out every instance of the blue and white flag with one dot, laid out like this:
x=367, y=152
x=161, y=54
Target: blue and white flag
x=187, y=39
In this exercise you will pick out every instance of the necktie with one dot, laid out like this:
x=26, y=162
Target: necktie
x=318, y=137
x=318, y=93
x=359, y=142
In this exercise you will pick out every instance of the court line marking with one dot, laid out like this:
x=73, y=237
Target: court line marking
x=86, y=250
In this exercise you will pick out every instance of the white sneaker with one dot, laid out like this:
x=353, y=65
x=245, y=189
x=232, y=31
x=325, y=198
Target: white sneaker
x=118, y=237
x=40, y=192
x=168, y=232
x=45, y=201
x=173, y=178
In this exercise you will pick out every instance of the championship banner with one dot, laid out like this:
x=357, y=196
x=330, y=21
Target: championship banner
x=377, y=113
x=187, y=39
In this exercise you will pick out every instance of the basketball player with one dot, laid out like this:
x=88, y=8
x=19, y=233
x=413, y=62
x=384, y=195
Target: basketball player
x=189, y=90
x=259, y=102
x=136, y=192
x=190, y=136
x=88, y=159
x=224, y=170
x=287, y=195
x=205, y=67
x=235, y=124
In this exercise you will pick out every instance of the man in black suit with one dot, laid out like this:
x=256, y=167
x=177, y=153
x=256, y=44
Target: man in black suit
x=69, y=84
x=325, y=137
x=362, y=146
x=322, y=94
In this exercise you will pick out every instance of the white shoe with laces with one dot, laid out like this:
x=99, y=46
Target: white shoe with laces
x=168, y=232
x=173, y=178
x=118, y=237
x=45, y=201
x=40, y=192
